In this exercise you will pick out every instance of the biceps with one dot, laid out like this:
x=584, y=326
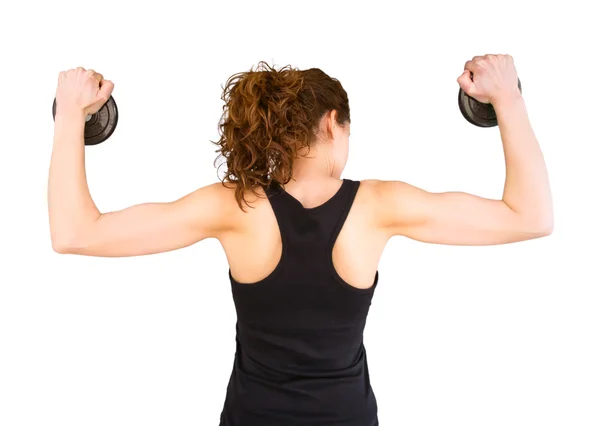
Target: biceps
x=457, y=218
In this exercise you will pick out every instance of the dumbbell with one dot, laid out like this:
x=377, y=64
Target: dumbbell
x=478, y=113
x=99, y=126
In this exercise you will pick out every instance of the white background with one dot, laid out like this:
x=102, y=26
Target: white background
x=504, y=335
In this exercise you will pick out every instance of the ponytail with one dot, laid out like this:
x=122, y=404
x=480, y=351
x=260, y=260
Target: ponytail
x=269, y=116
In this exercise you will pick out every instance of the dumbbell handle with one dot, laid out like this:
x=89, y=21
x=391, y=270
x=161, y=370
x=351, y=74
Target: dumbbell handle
x=87, y=118
x=518, y=83
x=478, y=113
x=98, y=126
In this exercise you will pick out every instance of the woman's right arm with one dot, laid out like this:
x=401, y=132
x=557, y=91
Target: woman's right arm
x=525, y=210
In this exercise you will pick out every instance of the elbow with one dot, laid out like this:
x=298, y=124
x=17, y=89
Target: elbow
x=70, y=240
x=537, y=223
x=64, y=244
x=546, y=224
x=545, y=230
x=61, y=246
x=541, y=228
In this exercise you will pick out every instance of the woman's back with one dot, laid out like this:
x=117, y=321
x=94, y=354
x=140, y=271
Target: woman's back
x=254, y=245
x=300, y=354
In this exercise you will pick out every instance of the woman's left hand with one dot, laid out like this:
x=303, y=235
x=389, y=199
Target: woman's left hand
x=82, y=91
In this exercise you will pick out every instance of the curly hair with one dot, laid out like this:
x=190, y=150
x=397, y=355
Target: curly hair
x=268, y=117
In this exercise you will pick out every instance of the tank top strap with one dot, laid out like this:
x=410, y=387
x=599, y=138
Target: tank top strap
x=341, y=208
x=320, y=224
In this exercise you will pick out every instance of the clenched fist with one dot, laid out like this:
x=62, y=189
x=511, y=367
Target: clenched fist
x=490, y=78
x=82, y=91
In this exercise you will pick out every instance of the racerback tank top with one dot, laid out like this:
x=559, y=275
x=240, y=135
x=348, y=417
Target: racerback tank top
x=300, y=359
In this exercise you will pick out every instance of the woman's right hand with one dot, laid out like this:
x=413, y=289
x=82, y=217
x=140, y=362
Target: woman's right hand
x=490, y=78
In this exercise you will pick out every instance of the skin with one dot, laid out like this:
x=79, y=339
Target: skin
x=251, y=240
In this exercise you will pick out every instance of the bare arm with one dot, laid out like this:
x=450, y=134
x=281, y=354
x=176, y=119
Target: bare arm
x=525, y=210
x=78, y=227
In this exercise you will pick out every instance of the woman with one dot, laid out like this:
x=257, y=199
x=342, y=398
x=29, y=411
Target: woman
x=303, y=244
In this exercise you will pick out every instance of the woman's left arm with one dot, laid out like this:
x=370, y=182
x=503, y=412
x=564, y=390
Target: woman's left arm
x=76, y=224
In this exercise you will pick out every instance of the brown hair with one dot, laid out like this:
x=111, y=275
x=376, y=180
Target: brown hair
x=269, y=116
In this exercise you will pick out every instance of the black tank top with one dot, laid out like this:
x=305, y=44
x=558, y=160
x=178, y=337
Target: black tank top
x=300, y=358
